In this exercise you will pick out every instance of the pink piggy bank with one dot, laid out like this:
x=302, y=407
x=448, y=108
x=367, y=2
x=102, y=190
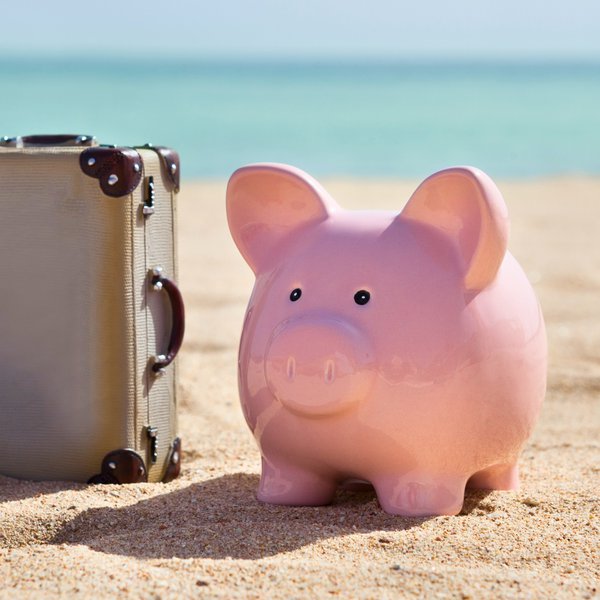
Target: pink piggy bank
x=407, y=349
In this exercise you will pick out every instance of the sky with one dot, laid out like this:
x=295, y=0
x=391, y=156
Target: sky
x=304, y=29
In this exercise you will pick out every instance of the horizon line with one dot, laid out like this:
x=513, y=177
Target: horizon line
x=313, y=60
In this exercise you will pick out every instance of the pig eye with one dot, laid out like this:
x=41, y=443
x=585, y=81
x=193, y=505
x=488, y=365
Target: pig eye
x=362, y=297
x=295, y=295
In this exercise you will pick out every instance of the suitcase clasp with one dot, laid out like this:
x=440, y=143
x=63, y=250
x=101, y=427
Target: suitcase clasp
x=152, y=433
x=150, y=196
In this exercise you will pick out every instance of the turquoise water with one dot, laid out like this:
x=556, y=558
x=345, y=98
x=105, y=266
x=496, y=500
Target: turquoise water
x=337, y=119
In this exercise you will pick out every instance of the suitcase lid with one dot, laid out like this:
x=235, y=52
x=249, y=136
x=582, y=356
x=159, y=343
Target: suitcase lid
x=118, y=169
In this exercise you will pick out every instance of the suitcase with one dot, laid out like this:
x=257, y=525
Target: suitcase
x=90, y=315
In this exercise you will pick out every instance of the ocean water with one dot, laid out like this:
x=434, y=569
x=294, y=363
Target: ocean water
x=368, y=119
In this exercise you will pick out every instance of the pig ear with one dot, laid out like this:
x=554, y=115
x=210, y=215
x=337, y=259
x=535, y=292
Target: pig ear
x=465, y=204
x=267, y=202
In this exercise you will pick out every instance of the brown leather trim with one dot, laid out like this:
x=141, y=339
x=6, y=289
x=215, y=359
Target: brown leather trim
x=119, y=170
x=172, y=165
x=170, y=162
x=121, y=466
x=174, y=464
x=63, y=139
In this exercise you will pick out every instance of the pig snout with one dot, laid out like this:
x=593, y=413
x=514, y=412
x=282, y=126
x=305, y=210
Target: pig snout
x=317, y=367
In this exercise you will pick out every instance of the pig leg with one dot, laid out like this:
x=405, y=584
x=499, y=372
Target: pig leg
x=421, y=495
x=282, y=483
x=497, y=477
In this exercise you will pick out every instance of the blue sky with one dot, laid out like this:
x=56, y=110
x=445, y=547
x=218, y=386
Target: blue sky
x=314, y=29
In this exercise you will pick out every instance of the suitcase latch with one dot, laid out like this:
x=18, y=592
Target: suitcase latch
x=149, y=197
x=152, y=433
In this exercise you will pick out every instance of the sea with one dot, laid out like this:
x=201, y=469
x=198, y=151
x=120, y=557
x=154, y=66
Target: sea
x=359, y=119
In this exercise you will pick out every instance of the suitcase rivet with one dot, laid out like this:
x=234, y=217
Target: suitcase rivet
x=173, y=168
x=156, y=275
x=112, y=179
x=136, y=167
x=112, y=465
x=140, y=470
x=161, y=358
x=91, y=162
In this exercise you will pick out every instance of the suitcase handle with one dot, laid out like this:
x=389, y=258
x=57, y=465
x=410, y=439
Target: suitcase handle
x=160, y=282
x=67, y=139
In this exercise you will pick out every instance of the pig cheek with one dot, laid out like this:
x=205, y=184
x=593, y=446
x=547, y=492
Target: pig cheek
x=427, y=357
x=256, y=398
x=250, y=380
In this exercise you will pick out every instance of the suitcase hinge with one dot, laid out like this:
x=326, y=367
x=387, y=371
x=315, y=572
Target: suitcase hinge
x=148, y=208
x=152, y=433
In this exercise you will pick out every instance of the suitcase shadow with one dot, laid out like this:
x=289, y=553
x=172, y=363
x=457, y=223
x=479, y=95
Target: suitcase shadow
x=221, y=518
x=12, y=489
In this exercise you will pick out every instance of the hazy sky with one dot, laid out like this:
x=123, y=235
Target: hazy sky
x=534, y=29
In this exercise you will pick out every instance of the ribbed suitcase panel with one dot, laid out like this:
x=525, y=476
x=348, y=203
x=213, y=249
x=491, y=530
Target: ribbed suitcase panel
x=67, y=318
x=159, y=249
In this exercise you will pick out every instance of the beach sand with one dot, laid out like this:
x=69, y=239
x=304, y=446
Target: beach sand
x=205, y=535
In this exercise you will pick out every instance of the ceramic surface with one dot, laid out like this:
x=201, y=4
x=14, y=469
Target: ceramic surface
x=403, y=349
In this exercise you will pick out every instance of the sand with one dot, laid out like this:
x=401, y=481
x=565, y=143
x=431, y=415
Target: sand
x=205, y=535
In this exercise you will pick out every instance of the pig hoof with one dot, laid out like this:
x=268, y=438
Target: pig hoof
x=420, y=498
x=498, y=477
x=295, y=487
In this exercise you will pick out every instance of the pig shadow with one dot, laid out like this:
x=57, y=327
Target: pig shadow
x=221, y=518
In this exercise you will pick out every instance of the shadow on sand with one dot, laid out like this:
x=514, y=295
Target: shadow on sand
x=20, y=489
x=221, y=518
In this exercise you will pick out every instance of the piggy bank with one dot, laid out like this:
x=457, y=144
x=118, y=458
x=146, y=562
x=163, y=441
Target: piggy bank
x=404, y=349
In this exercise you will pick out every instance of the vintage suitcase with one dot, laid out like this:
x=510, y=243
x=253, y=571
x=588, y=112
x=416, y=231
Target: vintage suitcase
x=90, y=315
